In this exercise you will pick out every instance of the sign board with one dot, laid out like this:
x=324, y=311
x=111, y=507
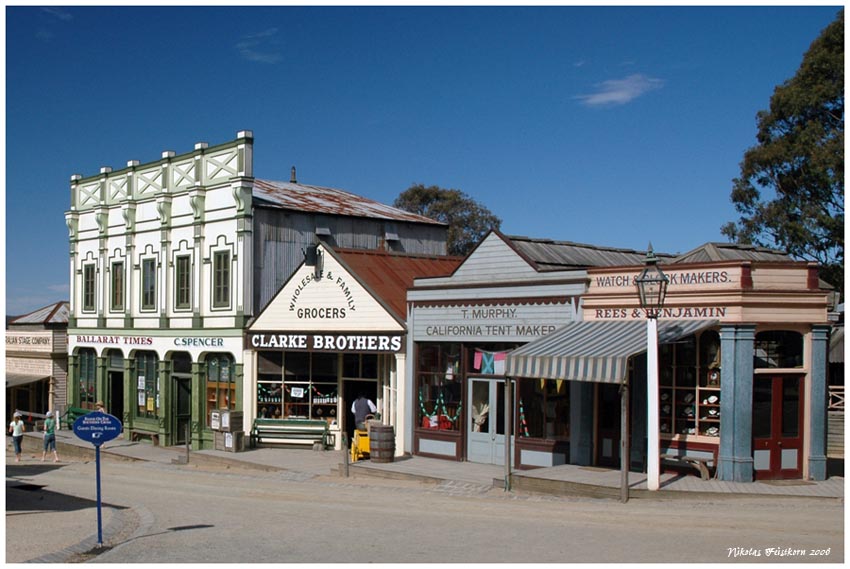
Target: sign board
x=97, y=428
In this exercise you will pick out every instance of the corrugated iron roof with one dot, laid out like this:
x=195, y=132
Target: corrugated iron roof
x=550, y=255
x=713, y=252
x=56, y=313
x=318, y=199
x=388, y=274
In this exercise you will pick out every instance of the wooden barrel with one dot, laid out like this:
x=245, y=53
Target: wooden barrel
x=381, y=443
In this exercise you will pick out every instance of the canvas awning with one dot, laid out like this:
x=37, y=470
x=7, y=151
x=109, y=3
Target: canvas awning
x=18, y=379
x=596, y=351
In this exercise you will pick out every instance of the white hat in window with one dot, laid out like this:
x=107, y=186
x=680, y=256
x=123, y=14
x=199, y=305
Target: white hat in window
x=689, y=397
x=712, y=399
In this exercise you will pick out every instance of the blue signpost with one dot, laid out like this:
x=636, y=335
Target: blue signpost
x=97, y=428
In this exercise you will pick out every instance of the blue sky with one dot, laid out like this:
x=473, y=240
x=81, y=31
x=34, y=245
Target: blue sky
x=607, y=125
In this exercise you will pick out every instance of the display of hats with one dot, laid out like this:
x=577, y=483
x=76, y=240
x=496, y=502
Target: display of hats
x=665, y=409
x=665, y=428
x=713, y=399
x=688, y=397
x=665, y=396
x=712, y=431
x=714, y=412
x=688, y=411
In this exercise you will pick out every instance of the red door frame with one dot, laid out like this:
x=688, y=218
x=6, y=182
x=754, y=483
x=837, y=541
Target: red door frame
x=776, y=442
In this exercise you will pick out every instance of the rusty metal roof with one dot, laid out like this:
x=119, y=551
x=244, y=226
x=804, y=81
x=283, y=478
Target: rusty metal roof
x=56, y=313
x=713, y=252
x=549, y=255
x=318, y=199
x=388, y=274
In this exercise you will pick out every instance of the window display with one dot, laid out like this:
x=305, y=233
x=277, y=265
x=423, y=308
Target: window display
x=689, y=398
x=298, y=385
x=544, y=409
x=439, y=387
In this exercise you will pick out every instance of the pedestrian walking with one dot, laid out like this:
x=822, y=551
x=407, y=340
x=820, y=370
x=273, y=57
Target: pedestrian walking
x=361, y=407
x=17, y=428
x=50, y=437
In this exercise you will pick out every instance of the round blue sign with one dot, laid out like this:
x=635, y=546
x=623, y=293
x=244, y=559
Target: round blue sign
x=97, y=428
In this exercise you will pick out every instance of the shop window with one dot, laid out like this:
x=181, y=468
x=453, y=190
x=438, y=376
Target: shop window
x=221, y=383
x=147, y=385
x=689, y=391
x=221, y=279
x=544, y=409
x=439, y=387
x=778, y=349
x=117, y=293
x=148, y=284
x=298, y=385
x=182, y=283
x=87, y=380
x=89, y=287
x=360, y=366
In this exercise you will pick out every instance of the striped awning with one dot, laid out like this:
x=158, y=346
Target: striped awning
x=596, y=351
x=18, y=379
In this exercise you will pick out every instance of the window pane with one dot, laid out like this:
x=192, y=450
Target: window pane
x=778, y=349
x=790, y=407
x=221, y=279
x=88, y=287
x=762, y=408
x=149, y=284
x=117, y=286
x=182, y=283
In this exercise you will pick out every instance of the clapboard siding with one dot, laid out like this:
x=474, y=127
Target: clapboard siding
x=835, y=435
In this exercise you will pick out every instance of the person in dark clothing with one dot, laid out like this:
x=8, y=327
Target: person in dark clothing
x=361, y=407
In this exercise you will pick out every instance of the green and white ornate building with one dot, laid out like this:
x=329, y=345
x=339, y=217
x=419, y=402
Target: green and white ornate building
x=171, y=259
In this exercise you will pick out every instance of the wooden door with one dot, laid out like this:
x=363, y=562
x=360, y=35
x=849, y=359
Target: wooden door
x=778, y=427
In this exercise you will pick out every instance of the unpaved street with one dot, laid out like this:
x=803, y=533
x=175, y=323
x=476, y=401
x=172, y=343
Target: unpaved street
x=184, y=514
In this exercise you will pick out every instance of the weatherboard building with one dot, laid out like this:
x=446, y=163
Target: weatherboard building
x=169, y=262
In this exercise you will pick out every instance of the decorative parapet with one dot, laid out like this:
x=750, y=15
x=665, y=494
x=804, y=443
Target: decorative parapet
x=204, y=166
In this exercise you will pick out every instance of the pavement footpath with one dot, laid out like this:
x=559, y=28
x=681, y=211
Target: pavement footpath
x=70, y=541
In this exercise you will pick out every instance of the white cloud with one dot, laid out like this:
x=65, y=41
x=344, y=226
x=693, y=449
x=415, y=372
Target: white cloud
x=621, y=91
x=261, y=47
x=58, y=13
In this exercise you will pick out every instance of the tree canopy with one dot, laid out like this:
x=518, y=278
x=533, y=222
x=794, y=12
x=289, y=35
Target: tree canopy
x=790, y=192
x=468, y=220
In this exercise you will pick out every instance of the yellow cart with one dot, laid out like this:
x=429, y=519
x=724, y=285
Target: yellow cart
x=360, y=442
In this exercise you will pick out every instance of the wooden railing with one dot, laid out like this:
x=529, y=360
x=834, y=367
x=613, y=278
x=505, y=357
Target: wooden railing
x=836, y=398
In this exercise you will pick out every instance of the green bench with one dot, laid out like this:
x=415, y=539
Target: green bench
x=74, y=413
x=291, y=431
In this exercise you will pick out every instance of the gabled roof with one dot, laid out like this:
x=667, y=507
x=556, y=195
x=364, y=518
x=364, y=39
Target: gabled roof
x=54, y=314
x=388, y=275
x=550, y=255
x=713, y=252
x=318, y=199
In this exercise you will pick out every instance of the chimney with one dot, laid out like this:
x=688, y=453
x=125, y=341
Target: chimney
x=292, y=179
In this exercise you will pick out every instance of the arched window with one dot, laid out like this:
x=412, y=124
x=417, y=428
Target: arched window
x=778, y=349
x=88, y=377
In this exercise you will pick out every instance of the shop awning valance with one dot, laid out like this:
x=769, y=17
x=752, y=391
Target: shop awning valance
x=596, y=351
x=17, y=379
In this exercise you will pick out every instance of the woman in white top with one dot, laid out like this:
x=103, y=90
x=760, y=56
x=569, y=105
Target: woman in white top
x=17, y=428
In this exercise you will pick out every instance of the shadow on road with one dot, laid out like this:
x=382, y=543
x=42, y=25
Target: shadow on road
x=25, y=497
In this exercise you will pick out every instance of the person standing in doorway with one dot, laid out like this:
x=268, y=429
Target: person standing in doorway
x=50, y=437
x=361, y=407
x=99, y=407
x=17, y=428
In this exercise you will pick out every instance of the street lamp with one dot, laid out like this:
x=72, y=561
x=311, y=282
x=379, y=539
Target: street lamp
x=652, y=289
